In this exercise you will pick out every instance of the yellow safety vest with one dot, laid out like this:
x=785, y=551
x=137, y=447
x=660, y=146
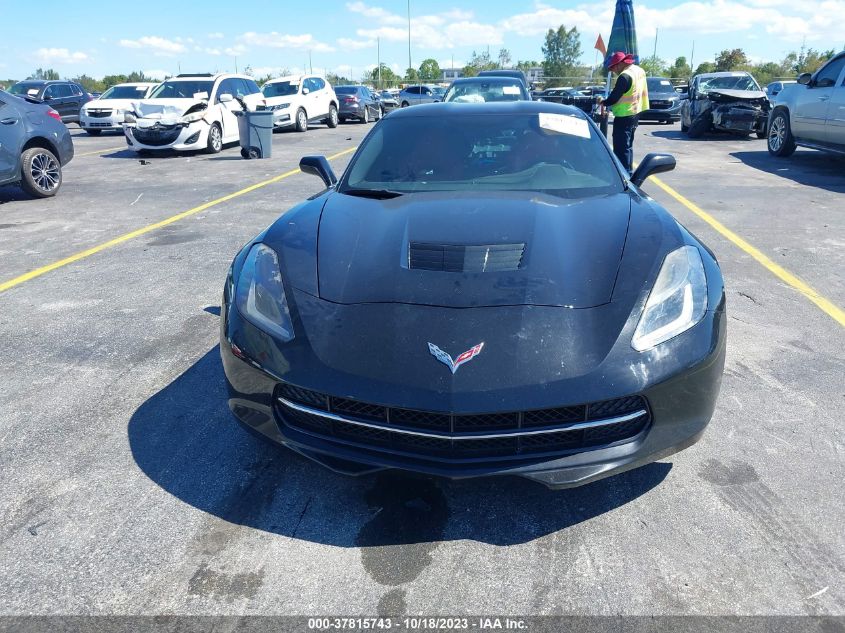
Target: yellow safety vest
x=636, y=99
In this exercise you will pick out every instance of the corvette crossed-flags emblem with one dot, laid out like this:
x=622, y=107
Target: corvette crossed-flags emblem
x=444, y=358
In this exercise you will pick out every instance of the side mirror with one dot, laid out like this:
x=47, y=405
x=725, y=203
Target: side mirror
x=318, y=166
x=226, y=98
x=652, y=164
x=305, y=91
x=804, y=79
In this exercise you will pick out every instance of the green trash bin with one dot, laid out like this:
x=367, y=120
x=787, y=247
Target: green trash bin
x=255, y=129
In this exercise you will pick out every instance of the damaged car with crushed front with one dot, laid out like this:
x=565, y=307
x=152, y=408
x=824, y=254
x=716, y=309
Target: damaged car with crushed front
x=484, y=292
x=726, y=102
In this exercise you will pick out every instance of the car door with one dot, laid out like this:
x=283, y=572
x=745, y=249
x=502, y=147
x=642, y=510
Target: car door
x=74, y=101
x=11, y=139
x=311, y=98
x=227, y=110
x=52, y=97
x=835, y=125
x=426, y=95
x=809, y=119
x=322, y=99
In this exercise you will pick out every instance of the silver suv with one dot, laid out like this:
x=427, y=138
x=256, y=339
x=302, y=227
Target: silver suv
x=811, y=113
x=414, y=95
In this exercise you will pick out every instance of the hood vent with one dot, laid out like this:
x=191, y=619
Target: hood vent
x=452, y=258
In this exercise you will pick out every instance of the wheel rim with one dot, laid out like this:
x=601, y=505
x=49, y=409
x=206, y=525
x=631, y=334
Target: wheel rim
x=334, y=116
x=45, y=172
x=366, y=115
x=216, y=138
x=777, y=133
x=302, y=121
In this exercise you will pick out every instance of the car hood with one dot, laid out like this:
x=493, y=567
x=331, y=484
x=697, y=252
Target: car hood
x=105, y=104
x=725, y=96
x=392, y=251
x=165, y=110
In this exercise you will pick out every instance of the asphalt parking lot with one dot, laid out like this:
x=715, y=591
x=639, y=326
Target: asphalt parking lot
x=128, y=488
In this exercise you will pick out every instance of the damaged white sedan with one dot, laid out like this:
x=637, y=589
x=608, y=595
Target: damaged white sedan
x=190, y=113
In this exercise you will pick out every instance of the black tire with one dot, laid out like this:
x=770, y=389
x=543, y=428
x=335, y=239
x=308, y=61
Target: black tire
x=332, y=121
x=41, y=173
x=698, y=127
x=245, y=154
x=780, y=141
x=91, y=132
x=215, y=139
x=301, y=121
x=405, y=104
x=684, y=128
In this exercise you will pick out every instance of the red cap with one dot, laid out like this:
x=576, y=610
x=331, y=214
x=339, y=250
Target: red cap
x=618, y=58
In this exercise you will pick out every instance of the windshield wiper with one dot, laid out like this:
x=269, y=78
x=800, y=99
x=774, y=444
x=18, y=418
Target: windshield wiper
x=378, y=194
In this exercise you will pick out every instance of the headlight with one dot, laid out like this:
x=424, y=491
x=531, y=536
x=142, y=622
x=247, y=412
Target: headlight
x=677, y=301
x=129, y=117
x=260, y=295
x=193, y=116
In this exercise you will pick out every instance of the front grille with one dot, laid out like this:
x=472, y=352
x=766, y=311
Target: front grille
x=659, y=105
x=465, y=259
x=443, y=436
x=99, y=114
x=156, y=137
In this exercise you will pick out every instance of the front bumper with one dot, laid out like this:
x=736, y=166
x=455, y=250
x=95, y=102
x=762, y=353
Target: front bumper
x=113, y=123
x=665, y=113
x=680, y=388
x=739, y=118
x=193, y=136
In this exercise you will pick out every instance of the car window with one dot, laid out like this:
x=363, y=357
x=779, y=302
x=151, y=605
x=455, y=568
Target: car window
x=280, y=89
x=345, y=90
x=558, y=154
x=426, y=91
x=75, y=90
x=729, y=82
x=828, y=75
x=227, y=86
x=179, y=89
x=413, y=90
x=124, y=92
x=252, y=87
x=481, y=91
x=319, y=84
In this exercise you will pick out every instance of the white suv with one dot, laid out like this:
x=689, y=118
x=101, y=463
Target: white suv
x=106, y=114
x=191, y=112
x=297, y=100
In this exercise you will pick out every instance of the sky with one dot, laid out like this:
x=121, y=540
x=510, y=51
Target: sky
x=341, y=36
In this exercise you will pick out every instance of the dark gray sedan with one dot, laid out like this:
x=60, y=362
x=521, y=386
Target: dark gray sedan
x=358, y=103
x=34, y=145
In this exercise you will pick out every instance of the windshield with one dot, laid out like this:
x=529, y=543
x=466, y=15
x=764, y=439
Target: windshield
x=484, y=91
x=280, y=89
x=438, y=90
x=125, y=92
x=658, y=84
x=22, y=89
x=181, y=89
x=558, y=154
x=738, y=82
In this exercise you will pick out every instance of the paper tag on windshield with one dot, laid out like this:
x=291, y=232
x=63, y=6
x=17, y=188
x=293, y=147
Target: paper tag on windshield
x=200, y=96
x=510, y=90
x=564, y=124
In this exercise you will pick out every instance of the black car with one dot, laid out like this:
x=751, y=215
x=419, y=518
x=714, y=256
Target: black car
x=359, y=103
x=569, y=96
x=34, y=145
x=66, y=97
x=514, y=74
x=664, y=101
x=483, y=292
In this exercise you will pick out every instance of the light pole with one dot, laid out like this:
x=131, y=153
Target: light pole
x=409, y=39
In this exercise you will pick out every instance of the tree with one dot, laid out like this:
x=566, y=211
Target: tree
x=338, y=80
x=731, y=59
x=561, y=51
x=411, y=74
x=654, y=66
x=89, y=83
x=680, y=69
x=526, y=65
x=48, y=74
x=477, y=63
x=705, y=67
x=807, y=61
x=430, y=70
x=388, y=77
x=505, y=58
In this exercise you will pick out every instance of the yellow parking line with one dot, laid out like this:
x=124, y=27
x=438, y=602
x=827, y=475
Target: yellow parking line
x=150, y=227
x=100, y=151
x=826, y=305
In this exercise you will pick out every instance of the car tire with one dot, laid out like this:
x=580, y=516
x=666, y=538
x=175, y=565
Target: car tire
x=780, y=141
x=366, y=118
x=215, y=139
x=684, y=128
x=332, y=121
x=41, y=173
x=93, y=132
x=301, y=121
x=405, y=104
x=698, y=127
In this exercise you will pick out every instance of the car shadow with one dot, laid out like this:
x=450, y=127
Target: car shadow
x=677, y=135
x=806, y=167
x=185, y=440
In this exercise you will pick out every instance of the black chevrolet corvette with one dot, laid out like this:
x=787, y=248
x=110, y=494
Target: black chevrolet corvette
x=483, y=292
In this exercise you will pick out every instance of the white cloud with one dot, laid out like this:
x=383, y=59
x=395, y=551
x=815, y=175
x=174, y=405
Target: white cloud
x=274, y=71
x=304, y=41
x=348, y=44
x=235, y=51
x=158, y=45
x=215, y=36
x=344, y=70
x=158, y=74
x=60, y=56
x=375, y=13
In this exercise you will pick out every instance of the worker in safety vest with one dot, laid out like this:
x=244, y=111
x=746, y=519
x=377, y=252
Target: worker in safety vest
x=628, y=98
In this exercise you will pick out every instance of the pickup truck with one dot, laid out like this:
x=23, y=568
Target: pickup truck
x=811, y=112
